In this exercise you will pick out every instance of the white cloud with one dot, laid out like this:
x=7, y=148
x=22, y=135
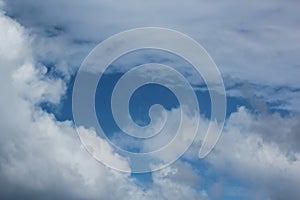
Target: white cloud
x=32, y=83
x=42, y=158
x=39, y=155
x=174, y=182
x=100, y=148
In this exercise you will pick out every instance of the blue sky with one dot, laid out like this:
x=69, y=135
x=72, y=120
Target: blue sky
x=256, y=47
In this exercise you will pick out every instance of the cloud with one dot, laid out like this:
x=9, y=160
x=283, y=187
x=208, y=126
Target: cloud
x=42, y=158
x=34, y=85
x=176, y=182
x=264, y=164
x=265, y=98
x=249, y=38
x=251, y=42
x=99, y=148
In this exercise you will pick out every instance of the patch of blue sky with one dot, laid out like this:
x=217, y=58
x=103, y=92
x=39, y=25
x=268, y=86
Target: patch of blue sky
x=144, y=97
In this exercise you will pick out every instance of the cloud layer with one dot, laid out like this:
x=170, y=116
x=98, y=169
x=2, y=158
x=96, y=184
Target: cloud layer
x=255, y=45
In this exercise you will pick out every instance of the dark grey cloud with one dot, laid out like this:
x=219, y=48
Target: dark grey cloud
x=284, y=132
x=262, y=153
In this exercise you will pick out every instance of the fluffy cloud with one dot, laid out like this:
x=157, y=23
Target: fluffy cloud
x=177, y=180
x=42, y=158
x=259, y=152
x=99, y=148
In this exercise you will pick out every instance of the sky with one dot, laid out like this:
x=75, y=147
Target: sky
x=254, y=44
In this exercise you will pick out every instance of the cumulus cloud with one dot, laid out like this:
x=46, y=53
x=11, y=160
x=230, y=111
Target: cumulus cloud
x=99, y=148
x=34, y=85
x=261, y=162
x=176, y=181
x=42, y=158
